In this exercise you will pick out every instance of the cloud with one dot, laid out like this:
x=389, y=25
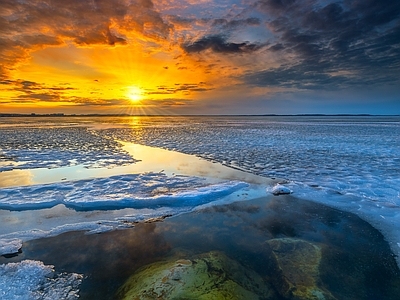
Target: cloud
x=167, y=103
x=276, y=7
x=296, y=77
x=233, y=24
x=30, y=25
x=30, y=91
x=185, y=88
x=179, y=21
x=33, y=97
x=358, y=39
x=84, y=101
x=218, y=44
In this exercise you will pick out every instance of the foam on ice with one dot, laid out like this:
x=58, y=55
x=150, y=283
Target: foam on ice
x=31, y=280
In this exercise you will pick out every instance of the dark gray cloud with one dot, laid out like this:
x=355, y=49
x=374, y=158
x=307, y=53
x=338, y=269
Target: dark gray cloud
x=181, y=21
x=336, y=45
x=219, y=44
x=276, y=6
x=233, y=24
x=298, y=77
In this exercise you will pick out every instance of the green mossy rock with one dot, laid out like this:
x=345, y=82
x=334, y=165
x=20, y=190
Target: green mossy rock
x=208, y=276
x=296, y=269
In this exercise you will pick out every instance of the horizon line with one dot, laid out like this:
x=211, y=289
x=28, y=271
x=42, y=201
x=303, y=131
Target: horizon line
x=33, y=115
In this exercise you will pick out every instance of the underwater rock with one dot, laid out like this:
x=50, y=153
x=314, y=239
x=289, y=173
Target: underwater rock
x=207, y=276
x=295, y=269
x=280, y=190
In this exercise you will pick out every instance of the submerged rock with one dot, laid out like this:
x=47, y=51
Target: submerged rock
x=295, y=267
x=208, y=276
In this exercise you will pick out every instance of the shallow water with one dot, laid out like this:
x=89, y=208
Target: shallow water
x=356, y=261
x=44, y=202
x=147, y=159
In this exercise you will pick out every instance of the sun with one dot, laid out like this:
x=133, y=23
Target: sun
x=134, y=93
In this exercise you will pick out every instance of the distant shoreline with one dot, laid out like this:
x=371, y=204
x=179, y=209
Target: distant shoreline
x=127, y=115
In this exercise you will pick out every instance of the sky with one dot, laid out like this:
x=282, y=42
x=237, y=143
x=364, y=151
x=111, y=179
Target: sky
x=200, y=56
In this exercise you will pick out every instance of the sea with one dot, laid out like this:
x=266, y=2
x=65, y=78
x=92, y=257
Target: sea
x=86, y=201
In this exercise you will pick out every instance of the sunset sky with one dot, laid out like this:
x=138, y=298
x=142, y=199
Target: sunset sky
x=200, y=57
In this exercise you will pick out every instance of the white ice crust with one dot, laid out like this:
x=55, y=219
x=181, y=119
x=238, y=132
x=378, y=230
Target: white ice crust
x=10, y=246
x=32, y=280
x=133, y=190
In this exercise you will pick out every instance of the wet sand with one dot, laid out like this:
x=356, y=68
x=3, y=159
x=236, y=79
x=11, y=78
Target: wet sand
x=356, y=261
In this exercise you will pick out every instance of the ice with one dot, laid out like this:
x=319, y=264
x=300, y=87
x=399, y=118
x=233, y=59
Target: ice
x=10, y=246
x=352, y=154
x=146, y=190
x=31, y=280
x=55, y=146
x=103, y=204
x=279, y=190
x=97, y=226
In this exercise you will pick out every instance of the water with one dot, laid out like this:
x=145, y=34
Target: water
x=356, y=261
x=58, y=175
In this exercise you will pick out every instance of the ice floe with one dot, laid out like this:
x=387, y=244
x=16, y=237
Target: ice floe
x=121, y=191
x=10, y=246
x=32, y=280
x=279, y=189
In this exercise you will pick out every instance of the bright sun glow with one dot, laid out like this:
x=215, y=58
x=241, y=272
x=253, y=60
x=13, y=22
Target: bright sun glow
x=134, y=93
